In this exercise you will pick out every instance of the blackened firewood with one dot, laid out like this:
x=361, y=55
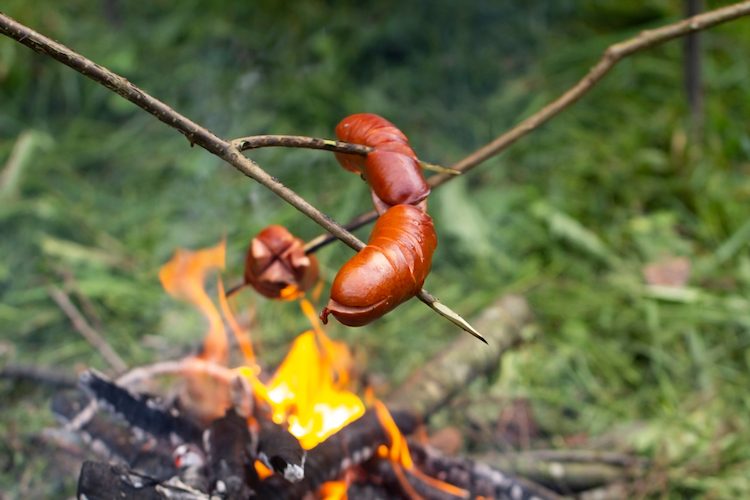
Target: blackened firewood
x=226, y=443
x=102, y=481
x=387, y=475
x=480, y=479
x=351, y=446
x=110, y=438
x=279, y=450
x=138, y=410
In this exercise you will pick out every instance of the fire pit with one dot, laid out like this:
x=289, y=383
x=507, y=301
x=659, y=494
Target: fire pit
x=220, y=432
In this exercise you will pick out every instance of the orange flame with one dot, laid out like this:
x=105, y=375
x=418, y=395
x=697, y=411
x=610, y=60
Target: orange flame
x=240, y=335
x=398, y=454
x=332, y=490
x=183, y=277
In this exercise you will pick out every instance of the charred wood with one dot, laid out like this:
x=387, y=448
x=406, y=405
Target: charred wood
x=479, y=478
x=351, y=446
x=279, y=450
x=112, y=439
x=140, y=411
x=393, y=479
x=226, y=443
x=101, y=481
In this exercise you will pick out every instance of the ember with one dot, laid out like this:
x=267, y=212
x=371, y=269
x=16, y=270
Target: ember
x=239, y=433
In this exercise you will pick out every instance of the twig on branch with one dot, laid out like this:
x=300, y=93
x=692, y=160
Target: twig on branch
x=612, y=55
x=82, y=326
x=299, y=141
x=296, y=141
x=199, y=135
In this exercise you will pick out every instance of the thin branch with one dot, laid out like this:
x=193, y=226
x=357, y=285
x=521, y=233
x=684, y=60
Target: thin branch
x=196, y=135
x=185, y=366
x=612, y=55
x=48, y=376
x=297, y=141
x=82, y=326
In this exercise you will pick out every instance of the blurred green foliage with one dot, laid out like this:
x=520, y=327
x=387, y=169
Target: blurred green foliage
x=569, y=216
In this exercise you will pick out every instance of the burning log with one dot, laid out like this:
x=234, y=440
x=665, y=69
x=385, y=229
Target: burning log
x=352, y=446
x=280, y=451
x=479, y=478
x=303, y=422
x=357, y=444
x=227, y=442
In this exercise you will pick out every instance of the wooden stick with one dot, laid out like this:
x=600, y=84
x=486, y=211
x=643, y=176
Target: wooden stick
x=564, y=471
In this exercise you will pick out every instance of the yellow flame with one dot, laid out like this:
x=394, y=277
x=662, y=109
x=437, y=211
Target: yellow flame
x=306, y=394
x=309, y=392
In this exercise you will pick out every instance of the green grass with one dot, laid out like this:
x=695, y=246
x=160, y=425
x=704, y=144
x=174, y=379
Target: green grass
x=569, y=216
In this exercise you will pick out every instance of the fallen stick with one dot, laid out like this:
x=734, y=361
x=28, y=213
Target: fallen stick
x=567, y=473
x=434, y=384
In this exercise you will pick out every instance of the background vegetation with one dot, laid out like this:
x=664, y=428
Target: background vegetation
x=569, y=217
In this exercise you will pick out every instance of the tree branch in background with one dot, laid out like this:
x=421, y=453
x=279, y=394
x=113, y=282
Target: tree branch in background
x=201, y=136
x=612, y=55
x=92, y=336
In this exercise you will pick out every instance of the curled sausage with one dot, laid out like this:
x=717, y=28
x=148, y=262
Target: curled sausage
x=276, y=264
x=388, y=271
x=392, y=170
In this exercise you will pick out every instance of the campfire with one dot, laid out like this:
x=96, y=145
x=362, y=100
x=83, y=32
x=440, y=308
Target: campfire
x=231, y=429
